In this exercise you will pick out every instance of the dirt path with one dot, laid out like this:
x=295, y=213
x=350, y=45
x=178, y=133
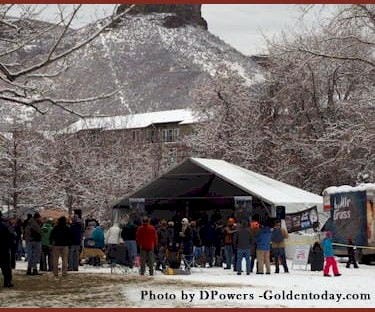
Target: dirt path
x=80, y=289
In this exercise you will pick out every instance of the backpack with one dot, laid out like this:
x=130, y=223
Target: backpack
x=277, y=236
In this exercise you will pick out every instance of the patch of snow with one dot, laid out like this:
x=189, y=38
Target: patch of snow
x=268, y=291
x=348, y=188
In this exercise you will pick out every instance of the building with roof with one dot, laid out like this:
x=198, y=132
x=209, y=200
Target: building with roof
x=162, y=131
x=163, y=125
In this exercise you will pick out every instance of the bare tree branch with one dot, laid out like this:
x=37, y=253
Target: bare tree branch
x=29, y=39
x=10, y=25
x=55, y=46
x=337, y=57
x=60, y=103
x=47, y=61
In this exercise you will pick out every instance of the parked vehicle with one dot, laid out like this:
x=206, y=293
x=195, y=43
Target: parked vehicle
x=352, y=216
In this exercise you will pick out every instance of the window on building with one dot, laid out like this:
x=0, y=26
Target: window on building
x=170, y=135
x=151, y=135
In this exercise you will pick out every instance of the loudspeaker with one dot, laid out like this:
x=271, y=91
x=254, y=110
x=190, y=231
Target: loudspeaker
x=280, y=212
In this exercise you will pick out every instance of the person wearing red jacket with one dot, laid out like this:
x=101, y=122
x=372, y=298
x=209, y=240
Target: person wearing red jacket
x=147, y=240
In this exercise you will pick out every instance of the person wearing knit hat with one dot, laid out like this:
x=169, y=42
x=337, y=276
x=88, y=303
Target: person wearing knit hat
x=329, y=258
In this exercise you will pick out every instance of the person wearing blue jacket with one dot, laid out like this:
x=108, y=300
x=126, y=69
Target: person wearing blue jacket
x=329, y=258
x=263, y=243
x=98, y=237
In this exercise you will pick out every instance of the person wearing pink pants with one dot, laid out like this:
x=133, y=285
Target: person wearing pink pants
x=330, y=260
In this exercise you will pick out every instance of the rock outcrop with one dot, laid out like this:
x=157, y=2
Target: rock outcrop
x=184, y=14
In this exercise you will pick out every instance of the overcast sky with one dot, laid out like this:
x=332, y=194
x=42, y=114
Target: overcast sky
x=240, y=25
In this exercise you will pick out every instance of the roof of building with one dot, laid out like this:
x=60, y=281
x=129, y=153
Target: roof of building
x=134, y=121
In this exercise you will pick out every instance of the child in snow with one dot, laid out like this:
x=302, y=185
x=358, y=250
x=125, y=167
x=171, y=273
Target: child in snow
x=330, y=260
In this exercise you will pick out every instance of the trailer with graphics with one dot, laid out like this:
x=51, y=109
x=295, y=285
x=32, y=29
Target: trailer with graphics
x=352, y=216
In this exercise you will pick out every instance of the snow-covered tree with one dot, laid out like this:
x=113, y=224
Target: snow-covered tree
x=321, y=86
x=94, y=170
x=26, y=170
x=311, y=122
x=231, y=121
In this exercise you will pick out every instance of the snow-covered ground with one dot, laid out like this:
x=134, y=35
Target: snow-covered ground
x=211, y=287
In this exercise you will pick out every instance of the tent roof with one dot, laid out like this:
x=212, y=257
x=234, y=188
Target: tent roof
x=200, y=177
x=269, y=190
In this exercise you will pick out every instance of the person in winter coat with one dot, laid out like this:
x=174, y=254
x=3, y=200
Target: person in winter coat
x=197, y=243
x=242, y=240
x=162, y=245
x=263, y=241
x=278, y=246
x=11, y=223
x=219, y=243
x=98, y=237
x=351, y=255
x=173, y=258
x=147, y=240
x=60, y=239
x=113, y=235
x=112, y=239
x=6, y=238
x=254, y=228
x=33, y=232
x=229, y=230
x=208, y=234
x=76, y=232
x=18, y=229
x=88, y=241
x=26, y=234
x=173, y=242
x=46, y=256
x=316, y=257
x=128, y=235
x=329, y=258
x=187, y=241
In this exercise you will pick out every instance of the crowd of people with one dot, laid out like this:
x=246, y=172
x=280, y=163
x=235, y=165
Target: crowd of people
x=204, y=242
x=157, y=244
x=40, y=242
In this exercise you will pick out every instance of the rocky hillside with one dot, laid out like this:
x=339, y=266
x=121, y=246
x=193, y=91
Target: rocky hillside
x=154, y=58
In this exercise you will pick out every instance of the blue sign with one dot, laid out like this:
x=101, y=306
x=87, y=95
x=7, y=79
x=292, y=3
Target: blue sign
x=348, y=217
